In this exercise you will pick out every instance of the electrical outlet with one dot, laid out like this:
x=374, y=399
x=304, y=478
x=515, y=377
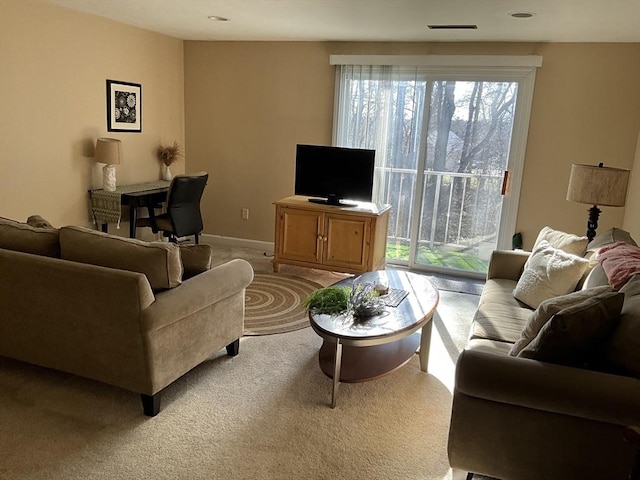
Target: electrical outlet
x=245, y=214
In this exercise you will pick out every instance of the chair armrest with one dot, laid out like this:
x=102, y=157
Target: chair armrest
x=507, y=264
x=196, y=293
x=554, y=388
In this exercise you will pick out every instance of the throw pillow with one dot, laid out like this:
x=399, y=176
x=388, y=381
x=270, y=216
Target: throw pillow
x=612, y=235
x=38, y=222
x=621, y=353
x=158, y=261
x=572, y=337
x=620, y=261
x=595, y=278
x=566, y=242
x=195, y=259
x=548, y=273
x=547, y=309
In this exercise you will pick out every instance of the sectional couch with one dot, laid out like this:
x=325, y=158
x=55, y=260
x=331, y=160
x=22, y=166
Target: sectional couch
x=551, y=391
x=133, y=314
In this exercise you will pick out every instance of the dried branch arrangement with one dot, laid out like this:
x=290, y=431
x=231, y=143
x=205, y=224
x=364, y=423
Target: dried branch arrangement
x=364, y=300
x=170, y=153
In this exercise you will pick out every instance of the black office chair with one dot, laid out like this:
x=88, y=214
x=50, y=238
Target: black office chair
x=183, y=217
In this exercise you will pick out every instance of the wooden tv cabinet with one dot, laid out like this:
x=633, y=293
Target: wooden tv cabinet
x=350, y=239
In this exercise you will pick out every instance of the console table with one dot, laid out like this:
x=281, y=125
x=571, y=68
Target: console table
x=106, y=207
x=350, y=239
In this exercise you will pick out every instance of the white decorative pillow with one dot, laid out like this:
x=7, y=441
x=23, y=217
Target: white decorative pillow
x=549, y=272
x=566, y=242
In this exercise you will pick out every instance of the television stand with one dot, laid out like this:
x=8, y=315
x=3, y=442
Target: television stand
x=342, y=238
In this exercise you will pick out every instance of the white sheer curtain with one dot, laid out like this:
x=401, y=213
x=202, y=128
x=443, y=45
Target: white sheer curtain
x=381, y=107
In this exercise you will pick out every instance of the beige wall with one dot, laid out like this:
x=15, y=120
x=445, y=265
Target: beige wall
x=248, y=104
x=632, y=211
x=586, y=109
x=53, y=68
x=245, y=105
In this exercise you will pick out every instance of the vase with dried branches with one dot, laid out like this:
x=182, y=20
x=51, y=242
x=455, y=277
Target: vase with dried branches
x=168, y=154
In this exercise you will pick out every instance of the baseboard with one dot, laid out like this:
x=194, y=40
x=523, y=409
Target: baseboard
x=214, y=240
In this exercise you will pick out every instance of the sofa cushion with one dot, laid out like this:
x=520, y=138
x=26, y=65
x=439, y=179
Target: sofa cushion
x=159, y=261
x=620, y=261
x=567, y=242
x=612, y=235
x=196, y=259
x=500, y=290
x=574, y=335
x=548, y=309
x=22, y=237
x=488, y=346
x=499, y=321
x=548, y=273
x=499, y=316
x=621, y=353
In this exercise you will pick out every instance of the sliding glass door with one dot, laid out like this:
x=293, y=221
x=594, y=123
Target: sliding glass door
x=444, y=143
x=467, y=152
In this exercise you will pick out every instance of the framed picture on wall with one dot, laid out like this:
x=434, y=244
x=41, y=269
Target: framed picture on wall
x=124, y=106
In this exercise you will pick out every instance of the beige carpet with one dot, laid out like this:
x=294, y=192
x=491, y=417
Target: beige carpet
x=261, y=415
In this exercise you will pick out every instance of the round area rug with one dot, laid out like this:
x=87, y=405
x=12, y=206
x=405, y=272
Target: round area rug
x=273, y=304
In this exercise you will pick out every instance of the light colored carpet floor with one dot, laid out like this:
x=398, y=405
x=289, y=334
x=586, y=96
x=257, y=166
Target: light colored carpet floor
x=262, y=415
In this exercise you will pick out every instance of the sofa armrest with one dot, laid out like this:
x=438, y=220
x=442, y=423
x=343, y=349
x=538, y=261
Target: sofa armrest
x=197, y=292
x=507, y=264
x=553, y=388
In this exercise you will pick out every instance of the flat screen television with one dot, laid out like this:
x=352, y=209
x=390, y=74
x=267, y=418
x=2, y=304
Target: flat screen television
x=334, y=175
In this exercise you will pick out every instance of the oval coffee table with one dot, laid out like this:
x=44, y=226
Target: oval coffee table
x=358, y=350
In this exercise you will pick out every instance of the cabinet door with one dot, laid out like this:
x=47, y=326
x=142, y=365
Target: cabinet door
x=346, y=239
x=300, y=235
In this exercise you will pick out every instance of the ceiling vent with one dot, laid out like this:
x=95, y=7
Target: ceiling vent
x=453, y=27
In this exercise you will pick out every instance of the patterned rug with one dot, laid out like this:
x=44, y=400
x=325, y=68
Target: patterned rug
x=273, y=304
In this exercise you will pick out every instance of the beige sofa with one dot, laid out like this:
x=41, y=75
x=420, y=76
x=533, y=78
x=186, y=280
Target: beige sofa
x=518, y=418
x=136, y=315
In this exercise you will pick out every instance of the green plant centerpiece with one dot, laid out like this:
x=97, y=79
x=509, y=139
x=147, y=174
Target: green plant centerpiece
x=362, y=300
x=328, y=301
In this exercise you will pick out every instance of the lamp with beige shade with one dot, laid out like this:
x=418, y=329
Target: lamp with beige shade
x=109, y=152
x=597, y=185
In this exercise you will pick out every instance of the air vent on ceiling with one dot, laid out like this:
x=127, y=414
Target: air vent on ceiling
x=453, y=27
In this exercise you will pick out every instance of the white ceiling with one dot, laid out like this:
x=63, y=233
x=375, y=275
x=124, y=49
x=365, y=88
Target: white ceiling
x=376, y=20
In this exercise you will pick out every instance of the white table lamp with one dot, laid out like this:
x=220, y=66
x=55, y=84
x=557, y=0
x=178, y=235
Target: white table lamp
x=109, y=152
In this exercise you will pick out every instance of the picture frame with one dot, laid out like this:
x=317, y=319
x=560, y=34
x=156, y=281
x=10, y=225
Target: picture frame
x=124, y=106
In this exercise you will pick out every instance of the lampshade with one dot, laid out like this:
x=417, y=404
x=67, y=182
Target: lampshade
x=109, y=151
x=598, y=185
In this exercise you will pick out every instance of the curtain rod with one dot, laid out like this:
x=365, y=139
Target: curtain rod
x=440, y=60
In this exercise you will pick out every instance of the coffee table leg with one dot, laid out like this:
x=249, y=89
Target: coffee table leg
x=336, y=373
x=425, y=344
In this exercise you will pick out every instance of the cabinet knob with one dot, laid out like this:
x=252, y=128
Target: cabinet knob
x=325, y=238
x=319, y=237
